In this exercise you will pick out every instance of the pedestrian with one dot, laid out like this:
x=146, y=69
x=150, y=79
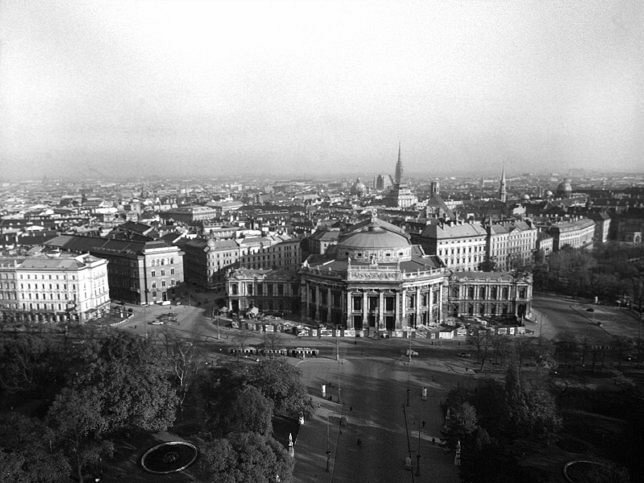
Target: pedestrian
x=359, y=442
x=350, y=408
x=423, y=424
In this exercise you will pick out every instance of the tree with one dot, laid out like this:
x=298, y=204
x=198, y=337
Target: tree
x=28, y=452
x=482, y=341
x=132, y=386
x=247, y=411
x=280, y=382
x=491, y=406
x=460, y=424
x=245, y=458
x=77, y=417
x=182, y=360
x=532, y=412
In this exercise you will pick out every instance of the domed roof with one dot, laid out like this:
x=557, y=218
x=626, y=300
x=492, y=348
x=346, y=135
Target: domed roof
x=564, y=186
x=373, y=237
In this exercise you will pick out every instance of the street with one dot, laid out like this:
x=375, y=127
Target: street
x=366, y=387
x=560, y=317
x=369, y=393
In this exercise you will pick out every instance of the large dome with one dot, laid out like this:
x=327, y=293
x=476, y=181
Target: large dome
x=373, y=243
x=564, y=188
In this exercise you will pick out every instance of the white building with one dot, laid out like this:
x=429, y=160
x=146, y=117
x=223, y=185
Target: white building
x=54, y=288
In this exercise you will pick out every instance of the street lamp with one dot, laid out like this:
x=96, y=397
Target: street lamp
x=418, y=451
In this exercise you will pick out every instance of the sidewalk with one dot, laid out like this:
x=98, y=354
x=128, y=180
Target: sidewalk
x=317, y=436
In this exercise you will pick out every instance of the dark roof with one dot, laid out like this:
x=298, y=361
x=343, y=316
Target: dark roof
x=103, y=245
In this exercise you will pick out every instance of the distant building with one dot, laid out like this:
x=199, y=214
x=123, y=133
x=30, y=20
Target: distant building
x=320, y=241
x=400, y=196
x=511, y=244
x=602, y=226
x=53, y=288
x=575, y=234
x=544, y=243
x=460, y=245
x=191, y=215
x=503, y=192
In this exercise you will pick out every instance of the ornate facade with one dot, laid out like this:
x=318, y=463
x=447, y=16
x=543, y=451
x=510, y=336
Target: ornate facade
x=490, y=294
x=373, y=279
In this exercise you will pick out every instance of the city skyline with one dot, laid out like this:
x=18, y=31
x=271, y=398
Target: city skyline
x=312, y=88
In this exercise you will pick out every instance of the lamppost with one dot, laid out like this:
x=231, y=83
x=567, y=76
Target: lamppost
x=418, y=451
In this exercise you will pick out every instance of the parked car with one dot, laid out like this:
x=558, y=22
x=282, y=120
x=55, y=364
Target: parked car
x=465, y=355
x=410, y=352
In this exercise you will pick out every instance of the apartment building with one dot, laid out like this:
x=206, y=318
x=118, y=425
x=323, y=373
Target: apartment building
x=54, y=287
x=576, y=234
x=460, y=245
x=511, y=244
x=140, y=272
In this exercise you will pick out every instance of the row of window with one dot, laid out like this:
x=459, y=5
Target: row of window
x=155, y=262
x=163, y=283
x=153, y=273
x=44, y=277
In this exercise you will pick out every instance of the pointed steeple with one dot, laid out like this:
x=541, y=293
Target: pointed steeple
x=503, y=194
x=399, y=169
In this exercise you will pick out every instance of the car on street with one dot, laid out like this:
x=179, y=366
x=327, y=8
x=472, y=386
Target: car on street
x=464, y=355
x=410, y=352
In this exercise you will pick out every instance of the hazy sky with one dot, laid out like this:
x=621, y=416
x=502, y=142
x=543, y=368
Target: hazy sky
x=187, y=87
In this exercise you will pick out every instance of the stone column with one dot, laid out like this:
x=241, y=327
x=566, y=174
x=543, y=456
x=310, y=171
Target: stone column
x=403, y=308
x=350, y=324
x=440, y=303
x=398, y=320
x=328, y=303
x=417, y=305
x=307, y=300
x=317, y=303
x=381, y=309
x=365, y=312
x=430, y=307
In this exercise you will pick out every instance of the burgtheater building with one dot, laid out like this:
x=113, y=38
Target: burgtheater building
x=374, y=279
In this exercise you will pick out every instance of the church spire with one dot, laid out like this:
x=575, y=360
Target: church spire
x=399, y=168
x=503, y=194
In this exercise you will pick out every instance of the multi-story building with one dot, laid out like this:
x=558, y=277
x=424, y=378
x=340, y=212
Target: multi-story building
x=575, y=234
x=489, y=294
x=8, y=289
x=322, y=239
x=54, y=287
x=544, y=243
x=460, y=245
x=140, y=272
x=192, y=214
x=373, y=279
x=206, y=261
x=602, y=226
x=284, y=255
x=264, y=289
x=511, y=244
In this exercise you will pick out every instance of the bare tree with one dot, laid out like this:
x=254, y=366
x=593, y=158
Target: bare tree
x=182, y=359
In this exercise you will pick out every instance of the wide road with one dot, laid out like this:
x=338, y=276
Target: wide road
x=370, y=392
x=560, y=317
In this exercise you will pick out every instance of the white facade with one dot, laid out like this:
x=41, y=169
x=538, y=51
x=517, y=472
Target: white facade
x=60, y=287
